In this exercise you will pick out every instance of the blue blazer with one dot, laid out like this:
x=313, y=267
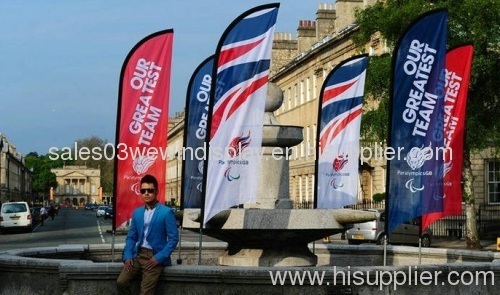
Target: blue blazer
x=162, y=236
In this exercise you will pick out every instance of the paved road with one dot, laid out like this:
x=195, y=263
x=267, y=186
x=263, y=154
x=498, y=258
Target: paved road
x=73, y=226
x=79, y=226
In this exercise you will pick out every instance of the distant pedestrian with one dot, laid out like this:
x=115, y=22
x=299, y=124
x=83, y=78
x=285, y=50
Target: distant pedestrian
x=52, y=212
x=43, y=211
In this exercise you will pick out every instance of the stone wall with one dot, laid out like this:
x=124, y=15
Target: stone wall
x=65, y=270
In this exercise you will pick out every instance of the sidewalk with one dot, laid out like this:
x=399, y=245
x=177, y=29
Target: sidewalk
x=437, y=242
x=454, y=243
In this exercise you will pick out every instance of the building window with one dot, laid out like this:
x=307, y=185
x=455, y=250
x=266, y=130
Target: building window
x=292, y=185
x=295, y=95
x=312, y=187
x=314, y=132
x=308, y=89
x=315, y=84
x=289, y=98
x=300, y=189
x=309, y=144
x=302, y=92
x=307, y=188
x=283, y=103
x=302, y=149
x=493, y=182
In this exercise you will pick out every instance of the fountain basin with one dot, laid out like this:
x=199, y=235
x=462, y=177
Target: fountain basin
x=273, y=237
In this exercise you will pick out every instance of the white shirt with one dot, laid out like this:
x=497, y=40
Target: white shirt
x=148, y=214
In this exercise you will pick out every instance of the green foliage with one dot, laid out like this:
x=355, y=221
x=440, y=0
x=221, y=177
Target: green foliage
x=470, y=21
x=374, y=123
x=43, y=178
x=106, y=166
x=379, y=197
x=390, y=19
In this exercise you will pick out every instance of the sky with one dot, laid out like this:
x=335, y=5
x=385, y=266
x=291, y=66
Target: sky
x=60, y=60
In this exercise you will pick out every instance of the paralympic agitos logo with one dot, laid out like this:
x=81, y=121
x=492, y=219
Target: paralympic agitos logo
x=231, y=176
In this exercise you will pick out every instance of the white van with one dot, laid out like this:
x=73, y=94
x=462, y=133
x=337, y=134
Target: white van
x=15, y=215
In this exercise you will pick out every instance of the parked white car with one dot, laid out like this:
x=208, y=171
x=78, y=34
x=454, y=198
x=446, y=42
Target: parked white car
x=101, y=210
x=15, y=215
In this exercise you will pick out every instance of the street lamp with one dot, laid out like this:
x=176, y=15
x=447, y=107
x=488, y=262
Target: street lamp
x=7, y=166
x=177, y=187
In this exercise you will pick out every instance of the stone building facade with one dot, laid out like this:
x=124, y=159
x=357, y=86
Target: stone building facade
x=174, y=161
x=15, y=177
x=486, y=173
x=299, y=68
x=78, y=185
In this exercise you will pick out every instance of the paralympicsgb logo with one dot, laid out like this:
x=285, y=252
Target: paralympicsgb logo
x=238, y=144
x=235, y=149
x=340, y=162
x=416, y=157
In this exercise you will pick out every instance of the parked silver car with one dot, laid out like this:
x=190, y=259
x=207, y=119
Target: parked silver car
x=374, y=231
x=101, y=210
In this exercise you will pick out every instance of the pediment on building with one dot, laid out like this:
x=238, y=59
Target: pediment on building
x=74, y=174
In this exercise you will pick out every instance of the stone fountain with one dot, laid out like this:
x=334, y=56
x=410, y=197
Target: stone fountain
x=270, y=232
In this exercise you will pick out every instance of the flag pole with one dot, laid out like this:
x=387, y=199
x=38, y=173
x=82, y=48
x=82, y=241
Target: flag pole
x=200, y=241
x=179, y=259
x=420, y=230
x=200, y=78
x=419, y=250
x=385, y=250
x=113, y=245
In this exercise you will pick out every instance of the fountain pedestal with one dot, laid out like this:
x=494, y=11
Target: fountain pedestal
x=269, y=232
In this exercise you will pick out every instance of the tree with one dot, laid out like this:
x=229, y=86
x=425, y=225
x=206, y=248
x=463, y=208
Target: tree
x=374, y=125
x=100, y=159
x=476, y=21
x=43, y=178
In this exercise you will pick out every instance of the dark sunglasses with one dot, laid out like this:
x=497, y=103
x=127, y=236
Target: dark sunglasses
x=147, y=190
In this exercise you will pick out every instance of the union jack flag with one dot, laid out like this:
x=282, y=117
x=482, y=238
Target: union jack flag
x=243, y=63
x=239, y=94
x=339, y=121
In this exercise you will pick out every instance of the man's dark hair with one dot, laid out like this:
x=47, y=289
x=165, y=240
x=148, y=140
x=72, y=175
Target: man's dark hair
x=150, y=179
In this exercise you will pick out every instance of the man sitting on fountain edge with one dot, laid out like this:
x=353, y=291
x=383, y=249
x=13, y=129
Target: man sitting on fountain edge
x=151, y=239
